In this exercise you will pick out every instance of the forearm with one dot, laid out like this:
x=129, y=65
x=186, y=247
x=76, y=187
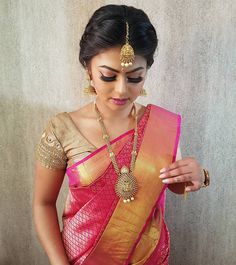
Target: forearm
x=47, y=226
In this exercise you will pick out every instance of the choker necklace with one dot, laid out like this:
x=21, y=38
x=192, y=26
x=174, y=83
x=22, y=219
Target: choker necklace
x=126, y=185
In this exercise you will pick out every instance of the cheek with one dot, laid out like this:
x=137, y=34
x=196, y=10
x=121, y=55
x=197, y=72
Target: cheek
x=101, y=87
x=137, y=87
x=97, y=83
x=135, y=90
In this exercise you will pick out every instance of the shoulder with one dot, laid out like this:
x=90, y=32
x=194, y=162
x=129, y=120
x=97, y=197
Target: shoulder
x=49, y=150
x=162, y=109
x=59, y=119
x=57, y=129
x=55, y=125
x=85, y=112
x=61, y=123
x=68, y=124
x=164, y=112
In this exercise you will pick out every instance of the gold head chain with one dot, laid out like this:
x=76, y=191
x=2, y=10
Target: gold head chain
x=127, y=51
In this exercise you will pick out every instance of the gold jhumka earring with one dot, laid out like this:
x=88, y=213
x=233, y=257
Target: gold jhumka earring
x=127, y=51
x=143, y=92
x=89, y=90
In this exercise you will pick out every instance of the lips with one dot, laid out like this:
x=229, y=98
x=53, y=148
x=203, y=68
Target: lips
x=120, y=101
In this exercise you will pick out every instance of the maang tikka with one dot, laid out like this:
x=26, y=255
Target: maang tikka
x=127, y=51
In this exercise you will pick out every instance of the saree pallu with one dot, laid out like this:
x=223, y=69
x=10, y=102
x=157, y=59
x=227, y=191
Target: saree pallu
x=98, y=227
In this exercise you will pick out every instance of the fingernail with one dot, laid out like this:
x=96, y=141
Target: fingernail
x=165, y=181
x=162, y=170
x=162, y=176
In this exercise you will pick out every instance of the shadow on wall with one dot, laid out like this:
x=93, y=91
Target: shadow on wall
x=22, y=127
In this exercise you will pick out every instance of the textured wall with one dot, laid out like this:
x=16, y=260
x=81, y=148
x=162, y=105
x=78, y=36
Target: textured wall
x=194, y=74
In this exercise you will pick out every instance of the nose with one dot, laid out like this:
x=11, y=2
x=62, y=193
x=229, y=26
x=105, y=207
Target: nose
x=121, y=86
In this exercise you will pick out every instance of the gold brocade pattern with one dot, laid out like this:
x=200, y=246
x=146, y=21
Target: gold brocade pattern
x=149, y=240
x=61, y=144
x=50, y=152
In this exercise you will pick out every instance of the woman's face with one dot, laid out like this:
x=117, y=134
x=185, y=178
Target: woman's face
x=117, y=88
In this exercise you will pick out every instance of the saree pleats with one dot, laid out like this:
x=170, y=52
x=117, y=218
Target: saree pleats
x=99, y=228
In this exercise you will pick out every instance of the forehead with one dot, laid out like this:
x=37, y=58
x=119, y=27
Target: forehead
x=111, y=57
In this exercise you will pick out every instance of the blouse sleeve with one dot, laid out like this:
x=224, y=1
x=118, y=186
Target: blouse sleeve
x=49, y=150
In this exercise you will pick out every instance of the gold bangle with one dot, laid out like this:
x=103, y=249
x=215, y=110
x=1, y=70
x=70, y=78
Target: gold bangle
x=206, y=182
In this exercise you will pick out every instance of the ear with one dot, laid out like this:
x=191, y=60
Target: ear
x=89, y=72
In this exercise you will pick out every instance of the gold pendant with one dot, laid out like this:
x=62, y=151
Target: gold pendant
x=126, y=185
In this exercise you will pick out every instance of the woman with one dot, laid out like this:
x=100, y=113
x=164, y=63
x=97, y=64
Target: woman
x=119, y=156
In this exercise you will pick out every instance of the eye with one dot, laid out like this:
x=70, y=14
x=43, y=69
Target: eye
x=135, y=80
x=107, y=78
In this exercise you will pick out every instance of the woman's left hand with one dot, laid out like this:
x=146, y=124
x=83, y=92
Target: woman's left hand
x=186, y=170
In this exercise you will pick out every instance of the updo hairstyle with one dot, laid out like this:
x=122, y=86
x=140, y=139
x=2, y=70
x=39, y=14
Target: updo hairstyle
x=107, y=28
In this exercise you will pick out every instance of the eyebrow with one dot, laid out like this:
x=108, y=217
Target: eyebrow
x=114, y=70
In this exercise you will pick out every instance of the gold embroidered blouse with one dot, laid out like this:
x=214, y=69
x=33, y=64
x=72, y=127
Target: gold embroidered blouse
x=61, y=143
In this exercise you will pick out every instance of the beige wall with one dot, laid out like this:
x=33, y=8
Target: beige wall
x=194, y=74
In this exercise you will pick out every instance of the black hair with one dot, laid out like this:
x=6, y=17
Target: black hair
x=107, y=28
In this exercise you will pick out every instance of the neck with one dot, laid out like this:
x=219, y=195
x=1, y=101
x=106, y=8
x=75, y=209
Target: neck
x=114, y=114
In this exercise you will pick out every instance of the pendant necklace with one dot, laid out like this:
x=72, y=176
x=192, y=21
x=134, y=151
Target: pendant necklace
x=126, y=185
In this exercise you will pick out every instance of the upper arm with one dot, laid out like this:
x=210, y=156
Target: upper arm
x=47, y=184
x=50, y=166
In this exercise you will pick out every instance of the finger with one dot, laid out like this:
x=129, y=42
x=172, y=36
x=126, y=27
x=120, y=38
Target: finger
x=179, y=179
x=176, y=164
x=183, y=170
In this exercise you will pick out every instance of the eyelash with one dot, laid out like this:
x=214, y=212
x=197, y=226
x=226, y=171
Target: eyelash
x=113, y=78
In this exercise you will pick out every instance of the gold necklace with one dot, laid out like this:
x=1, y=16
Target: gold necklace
x=126, y=186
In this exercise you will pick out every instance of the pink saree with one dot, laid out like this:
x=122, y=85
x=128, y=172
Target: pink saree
x=98, y=227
